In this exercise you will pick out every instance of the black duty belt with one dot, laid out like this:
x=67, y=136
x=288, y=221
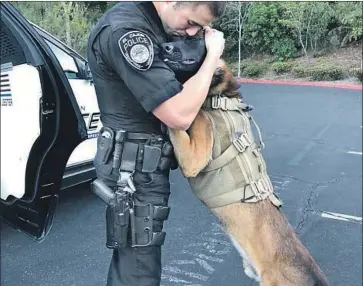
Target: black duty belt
x=141, y=136
x=106, y=131
x=149, y=153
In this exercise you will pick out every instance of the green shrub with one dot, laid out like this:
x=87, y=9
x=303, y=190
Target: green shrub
x=234, y=66
x=300, y=71
x=253, y=70
x=262, y=29
x=319, y=73
x=243, y=65
x=320, y=53
x=357, y=72
x=326, y=73
x=281, y=67
x=284, y=48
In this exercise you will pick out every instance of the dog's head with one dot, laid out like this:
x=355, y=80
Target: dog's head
x=186, y=55
x=224, y=82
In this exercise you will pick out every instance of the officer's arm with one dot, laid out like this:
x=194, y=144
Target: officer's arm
x=133, y=54
x=179, y=111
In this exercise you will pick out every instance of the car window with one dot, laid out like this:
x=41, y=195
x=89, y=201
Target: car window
x=66, y=61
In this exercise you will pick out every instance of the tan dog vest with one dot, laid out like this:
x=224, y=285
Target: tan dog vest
x=237, y=171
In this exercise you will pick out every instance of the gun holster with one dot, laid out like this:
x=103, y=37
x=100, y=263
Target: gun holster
x=117, y=221
x=119, y=203
x=128, y=222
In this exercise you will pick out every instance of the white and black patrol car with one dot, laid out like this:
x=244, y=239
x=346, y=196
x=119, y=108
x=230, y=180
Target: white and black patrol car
x=49, y=122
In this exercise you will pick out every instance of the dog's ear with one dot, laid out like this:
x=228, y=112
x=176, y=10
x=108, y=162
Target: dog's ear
x=218, y=77
x=233, y=84
x=232, y=87
x=223, y=81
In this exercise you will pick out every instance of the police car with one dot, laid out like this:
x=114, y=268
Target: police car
x=49, y=123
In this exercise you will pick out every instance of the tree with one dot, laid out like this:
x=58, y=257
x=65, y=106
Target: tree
x=66, y=20
x=232, y=25
x=278, y=28
x=350, y=21
x=309, y=20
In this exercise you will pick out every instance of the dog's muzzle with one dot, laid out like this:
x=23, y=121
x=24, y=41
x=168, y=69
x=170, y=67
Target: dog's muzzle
x=184, y=55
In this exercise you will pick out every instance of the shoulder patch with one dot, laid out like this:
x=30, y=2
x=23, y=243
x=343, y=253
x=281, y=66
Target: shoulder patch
x=138, y=49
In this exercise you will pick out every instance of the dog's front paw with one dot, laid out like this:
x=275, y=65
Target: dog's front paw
x=189, y=173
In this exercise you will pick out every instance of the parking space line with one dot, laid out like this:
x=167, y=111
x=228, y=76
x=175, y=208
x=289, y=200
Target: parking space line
x=355, y=153
x=343, y=217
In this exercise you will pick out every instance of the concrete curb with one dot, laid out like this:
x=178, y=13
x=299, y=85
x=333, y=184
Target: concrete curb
x=301, y=83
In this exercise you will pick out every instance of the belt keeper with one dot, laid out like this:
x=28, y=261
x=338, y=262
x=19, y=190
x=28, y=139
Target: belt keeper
x=129, y=156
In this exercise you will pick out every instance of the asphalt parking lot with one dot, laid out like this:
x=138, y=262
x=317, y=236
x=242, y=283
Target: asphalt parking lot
x=313, y=139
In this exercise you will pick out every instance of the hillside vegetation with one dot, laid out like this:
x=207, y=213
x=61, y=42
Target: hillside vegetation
x=300, y=40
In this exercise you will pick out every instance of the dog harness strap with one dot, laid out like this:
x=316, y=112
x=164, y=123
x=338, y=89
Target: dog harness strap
x=224, y=103
x=247, y=194
x=238, y=145
x=262, y=145
x=237, y=171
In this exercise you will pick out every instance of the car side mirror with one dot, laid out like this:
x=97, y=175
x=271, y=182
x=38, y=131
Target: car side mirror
x=88, y=72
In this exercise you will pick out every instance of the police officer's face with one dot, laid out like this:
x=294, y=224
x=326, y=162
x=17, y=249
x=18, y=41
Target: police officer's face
x=185, y=19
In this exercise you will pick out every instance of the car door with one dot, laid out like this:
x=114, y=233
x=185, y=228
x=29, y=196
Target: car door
x=75, y=68
x=61, y=126
x=80, y=164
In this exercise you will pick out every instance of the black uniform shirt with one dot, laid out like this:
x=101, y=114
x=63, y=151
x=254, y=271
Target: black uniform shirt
x=129, y=77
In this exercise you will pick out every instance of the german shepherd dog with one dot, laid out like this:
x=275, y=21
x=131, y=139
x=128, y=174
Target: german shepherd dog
x=271, y=251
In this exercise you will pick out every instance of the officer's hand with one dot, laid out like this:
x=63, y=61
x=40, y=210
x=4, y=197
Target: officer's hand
x=214, y=41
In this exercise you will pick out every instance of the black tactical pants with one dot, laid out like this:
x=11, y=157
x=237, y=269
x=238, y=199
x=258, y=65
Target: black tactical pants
x=138, y=266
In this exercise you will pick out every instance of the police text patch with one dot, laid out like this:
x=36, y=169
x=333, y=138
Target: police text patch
x=138, y=50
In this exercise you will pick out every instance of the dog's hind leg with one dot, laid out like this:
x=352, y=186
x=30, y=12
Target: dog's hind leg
x=249, y=270
x=271, y=245
x=193, y=151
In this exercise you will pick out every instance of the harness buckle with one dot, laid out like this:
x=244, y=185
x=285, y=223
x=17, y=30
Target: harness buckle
x=242, y=142
x=215, y=102
x=256, y=190
x=259, y=188
x=219, y=102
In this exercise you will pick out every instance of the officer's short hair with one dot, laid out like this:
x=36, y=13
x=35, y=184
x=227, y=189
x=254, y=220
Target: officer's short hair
x=217, y=8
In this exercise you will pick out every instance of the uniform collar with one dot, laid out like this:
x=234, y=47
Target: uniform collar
x=148, y=9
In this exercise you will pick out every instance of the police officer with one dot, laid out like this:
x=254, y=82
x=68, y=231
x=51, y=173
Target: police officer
x=137, y=93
